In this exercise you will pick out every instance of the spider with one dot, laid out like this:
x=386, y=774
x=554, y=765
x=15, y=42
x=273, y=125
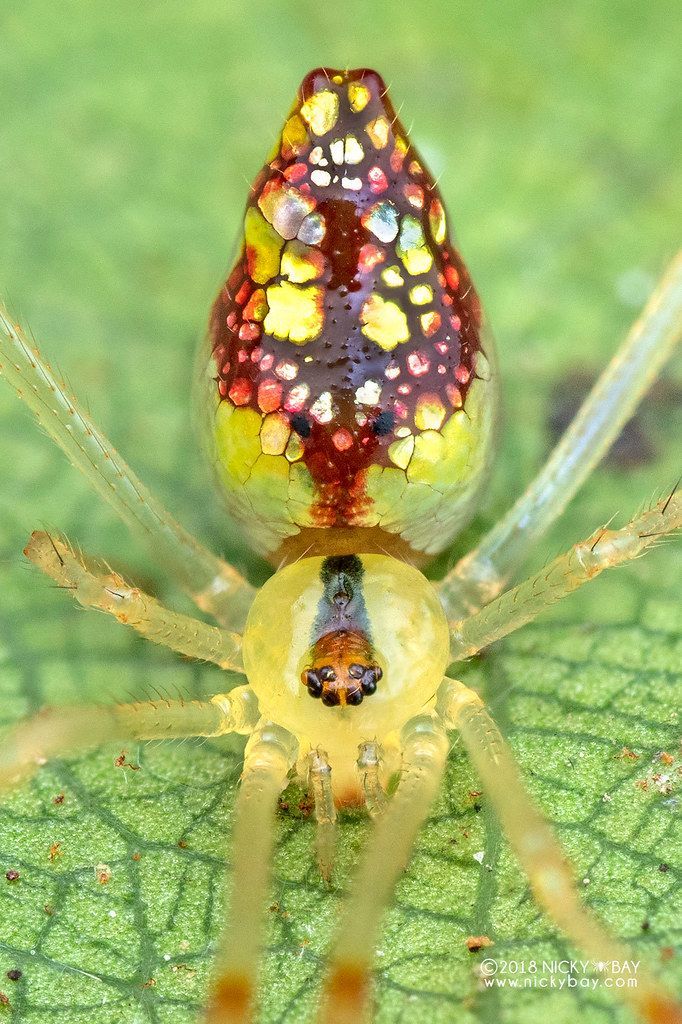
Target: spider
x=348, y=389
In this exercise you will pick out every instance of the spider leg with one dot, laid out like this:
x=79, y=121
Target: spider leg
x=368, y=762
x=347, y=991
x=482, y=574
x=537, y=849
x=110, y=593
x=214, y=585
x=68, y=731
x=270, y=753
x=325, y=811
x=603, y=550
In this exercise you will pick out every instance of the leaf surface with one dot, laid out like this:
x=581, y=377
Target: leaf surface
x=123, y=155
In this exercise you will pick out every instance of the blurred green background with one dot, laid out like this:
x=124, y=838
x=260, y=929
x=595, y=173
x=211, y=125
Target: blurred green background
x=128, y=135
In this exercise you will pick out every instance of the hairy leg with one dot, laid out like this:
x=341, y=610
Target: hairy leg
x=347, y=992
x=603, y=550
x=325, y=811
x=483, y=573
x=215, y=586
x=110, y=593
x=270, y=753
x=55, y=732
x=537, y=848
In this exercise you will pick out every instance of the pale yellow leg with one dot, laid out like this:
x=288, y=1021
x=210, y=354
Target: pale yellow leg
x=215, y=586
x=70, y=730
x=369, y=760
x=110, y=593
x=325, y=811
x=603, y=550
x=270, y=753
x=347, y=988
x=538, y=851
x=483, y=573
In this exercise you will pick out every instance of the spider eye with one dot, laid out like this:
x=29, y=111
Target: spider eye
x=313, y=682
x=331, y=698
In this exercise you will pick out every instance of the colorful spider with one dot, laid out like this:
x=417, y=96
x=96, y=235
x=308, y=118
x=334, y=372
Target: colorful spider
x=349, y=392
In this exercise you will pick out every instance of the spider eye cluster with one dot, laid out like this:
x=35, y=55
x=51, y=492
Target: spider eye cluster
x=364, y=635
x=327, y=683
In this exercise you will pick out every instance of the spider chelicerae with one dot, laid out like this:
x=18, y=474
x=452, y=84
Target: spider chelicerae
x=348, y=389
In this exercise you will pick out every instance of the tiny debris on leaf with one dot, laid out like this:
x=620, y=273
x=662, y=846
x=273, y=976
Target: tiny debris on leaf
x=55, y=852
x=120, y=762
x=184, y=969
x=58, y=799
x=14, y=974
x=103, y=873
x=12, y=875
x=627, y=755
x=476, y=942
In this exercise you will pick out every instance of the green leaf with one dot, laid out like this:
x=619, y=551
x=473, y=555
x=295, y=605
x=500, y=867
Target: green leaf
x=127, y=134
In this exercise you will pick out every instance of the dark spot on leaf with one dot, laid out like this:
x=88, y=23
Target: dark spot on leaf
x=634, y=446
x=14, y=974
x=12, y=875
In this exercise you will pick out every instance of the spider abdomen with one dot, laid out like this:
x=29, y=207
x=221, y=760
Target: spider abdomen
x=351, y=389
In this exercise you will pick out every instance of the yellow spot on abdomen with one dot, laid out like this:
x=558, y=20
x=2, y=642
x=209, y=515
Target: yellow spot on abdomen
x=295, y=313
x=301, y=262
x=263, y=246
x=378, y=132
x=358, y=96
x=321, y=111
x=384, y=322
x=274, y=433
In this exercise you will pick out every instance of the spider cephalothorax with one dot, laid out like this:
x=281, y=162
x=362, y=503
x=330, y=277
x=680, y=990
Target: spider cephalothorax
x=343, y=665
x=349, y=397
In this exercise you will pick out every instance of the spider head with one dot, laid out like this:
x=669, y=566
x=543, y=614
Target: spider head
x=343, y=668
x=363, y=634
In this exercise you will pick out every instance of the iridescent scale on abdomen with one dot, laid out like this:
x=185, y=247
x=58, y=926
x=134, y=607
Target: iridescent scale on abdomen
x=352, y=394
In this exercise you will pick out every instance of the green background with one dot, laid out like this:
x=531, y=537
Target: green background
x=128, y=134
